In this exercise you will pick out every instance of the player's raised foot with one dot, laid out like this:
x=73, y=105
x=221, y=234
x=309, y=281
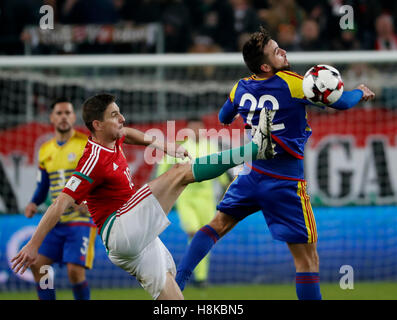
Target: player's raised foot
x=262, y=136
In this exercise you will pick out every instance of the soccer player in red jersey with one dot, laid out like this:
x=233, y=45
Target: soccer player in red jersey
x=72, y=241
x=130, y=221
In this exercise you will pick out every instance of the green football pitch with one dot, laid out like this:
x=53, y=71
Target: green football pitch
x=330, y=291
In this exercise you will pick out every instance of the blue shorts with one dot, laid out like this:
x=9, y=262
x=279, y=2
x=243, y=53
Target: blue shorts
x=285, y=205
x=70, y=243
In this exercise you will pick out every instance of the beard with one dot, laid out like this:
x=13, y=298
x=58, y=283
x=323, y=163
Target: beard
x=63, y=130
x=286, y=67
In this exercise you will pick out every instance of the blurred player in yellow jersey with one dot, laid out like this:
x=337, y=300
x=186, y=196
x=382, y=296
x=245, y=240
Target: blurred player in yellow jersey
x=196, y=206
x=72, y=241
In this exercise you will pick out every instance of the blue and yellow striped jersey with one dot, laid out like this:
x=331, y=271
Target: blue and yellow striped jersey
x=60, y=162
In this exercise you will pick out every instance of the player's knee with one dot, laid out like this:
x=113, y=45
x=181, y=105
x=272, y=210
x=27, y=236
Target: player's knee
x=222, y=223
x=314, y=261
x=76, y=273
x=36, y=272
x=308, y=262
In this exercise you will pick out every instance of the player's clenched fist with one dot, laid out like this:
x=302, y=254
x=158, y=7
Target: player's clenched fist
x=367, y=93
x=30, y=210
x=24, y=259
x=177, y=151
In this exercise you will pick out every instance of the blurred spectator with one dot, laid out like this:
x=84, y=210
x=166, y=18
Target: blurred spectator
x=287, y=38
x=227, y=22
x=176, y=24
x=83, y=12
x=241, y=40
x=245, y=17
x=346, y=41
x=364, y=73
x=260, y=4
x=310, y=37
x=269, y=17
x=294, y=14
x=364, y=17
x=89, y=12
x=386, y=38
x=321, y=12
x=282, y=12
x=215, y=18
x=246, y=20
x=203, y=44
x=14, y=16
x=141, y=11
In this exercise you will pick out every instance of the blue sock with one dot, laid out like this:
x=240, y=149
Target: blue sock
x=308, y=286
x=81, y=291
x=45, y=294
x=200, y=245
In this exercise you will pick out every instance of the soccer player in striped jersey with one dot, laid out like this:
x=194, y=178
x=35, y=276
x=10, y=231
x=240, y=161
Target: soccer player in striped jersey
x=72, y=240
x=128, y=220
x=275, y=186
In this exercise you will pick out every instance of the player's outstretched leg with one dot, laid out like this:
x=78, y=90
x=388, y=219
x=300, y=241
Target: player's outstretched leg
x=171, y=290
x=167, y=187
x=261, y=147
x=201, y=244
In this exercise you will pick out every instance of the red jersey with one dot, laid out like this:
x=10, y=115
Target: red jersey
x=103, y=179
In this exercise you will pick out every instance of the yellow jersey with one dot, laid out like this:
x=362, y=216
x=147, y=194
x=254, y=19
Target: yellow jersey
x=60, y=162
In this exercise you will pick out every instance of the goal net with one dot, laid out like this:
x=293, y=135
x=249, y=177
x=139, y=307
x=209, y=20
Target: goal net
x=350, y=160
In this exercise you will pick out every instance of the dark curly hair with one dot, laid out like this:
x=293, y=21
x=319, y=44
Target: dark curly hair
x=253, y=53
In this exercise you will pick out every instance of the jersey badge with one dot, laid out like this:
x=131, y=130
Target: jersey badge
x=73, y=183
x=71, y=157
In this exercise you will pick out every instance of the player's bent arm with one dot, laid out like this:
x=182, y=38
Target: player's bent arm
x=28, y=254
x=43, y=185
x=40, y=194
x=350, y=98
x=227, y=113
x=51, y=217
x=134, y=136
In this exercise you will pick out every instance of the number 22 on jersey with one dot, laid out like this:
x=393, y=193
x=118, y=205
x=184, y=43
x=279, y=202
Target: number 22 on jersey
x=258, y=105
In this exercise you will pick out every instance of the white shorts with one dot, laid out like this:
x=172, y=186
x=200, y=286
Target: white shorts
x=133, y=243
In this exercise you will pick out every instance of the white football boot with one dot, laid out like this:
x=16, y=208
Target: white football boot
x=262, y=136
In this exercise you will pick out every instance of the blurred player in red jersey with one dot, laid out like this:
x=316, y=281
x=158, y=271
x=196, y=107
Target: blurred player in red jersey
x=130, y=221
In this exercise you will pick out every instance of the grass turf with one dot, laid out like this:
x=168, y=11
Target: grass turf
x=330, y=291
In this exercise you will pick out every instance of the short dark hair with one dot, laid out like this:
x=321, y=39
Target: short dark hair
x=59, y=100
x=253, y=53
x=94, y=108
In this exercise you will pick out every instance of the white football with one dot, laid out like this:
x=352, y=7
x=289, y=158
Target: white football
x=322, y=85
